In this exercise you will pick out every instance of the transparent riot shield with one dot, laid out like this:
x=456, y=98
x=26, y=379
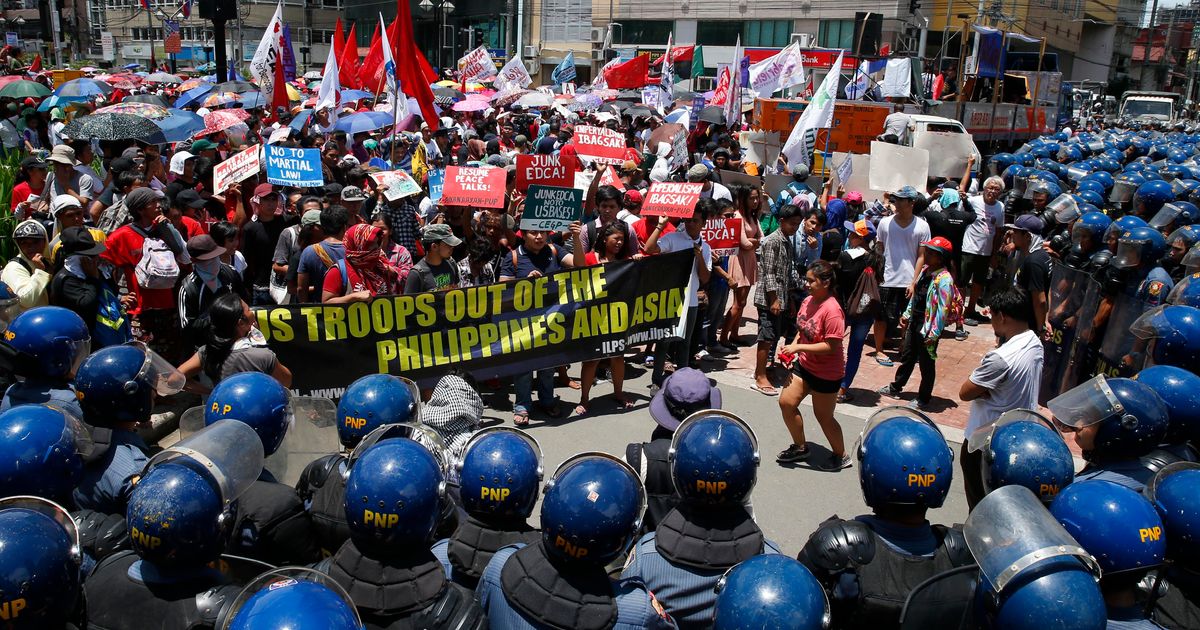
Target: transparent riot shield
x=1067, y=290
x=943, y=602
x=1082, y=354
x=1114, y=355
x=228, y=451
x=312, y=434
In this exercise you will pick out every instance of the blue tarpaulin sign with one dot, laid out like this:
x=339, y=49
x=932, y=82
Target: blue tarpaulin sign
x=436, y=179
x=287, y=166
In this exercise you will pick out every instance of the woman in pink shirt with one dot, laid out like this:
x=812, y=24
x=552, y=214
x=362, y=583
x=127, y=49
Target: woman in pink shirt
x=817, y=368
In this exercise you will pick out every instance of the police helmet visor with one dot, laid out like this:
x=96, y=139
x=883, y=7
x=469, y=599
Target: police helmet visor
x=311, y=433
x=419, y=433
x=1151, y=490
x=889, y=413
x=1179, y=187
x=1020, y=184
x=1076, y=173
x=159, y=372
x=1065, y=208
x=1188, y=285
x=1024, y=148
x=1080, y=232
x=982, y=436
x=228, y=451
x=1095, y=146
x=994, y=168
x=75, y=431
x=1010, y=532
x=10, y=307
x=1122, y=191
x=1187, y=235
x=1191, y=260
x=1036, y=186
x=490, y=431
x=281, y=578
x=1165, y=216
x=54, y=511
x=1151, y=324
x=1085, y=404
x=1129, y=252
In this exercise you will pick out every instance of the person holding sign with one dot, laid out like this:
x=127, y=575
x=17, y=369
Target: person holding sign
x=537, y=257
x=610, y=248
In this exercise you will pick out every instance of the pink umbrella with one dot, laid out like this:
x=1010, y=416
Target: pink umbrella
x=123, y=81
x=471, y=105
x=222, y=119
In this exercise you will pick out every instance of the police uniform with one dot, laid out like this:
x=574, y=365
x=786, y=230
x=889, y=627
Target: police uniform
x=36, y=391
x=650, y=460
x=125, y=592
x=520, y=579
x=106, y=482
x=1131, y=618
x=1155, y=287
x=273, y=526
x=1136, y=473
x=1179, y=606
x=468, y=551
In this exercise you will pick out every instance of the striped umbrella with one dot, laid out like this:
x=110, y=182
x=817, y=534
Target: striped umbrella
x=145, y=110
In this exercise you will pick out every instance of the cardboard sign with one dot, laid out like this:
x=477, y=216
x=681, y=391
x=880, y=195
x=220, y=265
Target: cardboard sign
x=761, y=147
x=608, y=177
x=600, y=144
x=436, y=179
x=948, y=152
x=399, y=184
x=672, y=199
x=679, y=151
x=859, y=177
x=652, y=97
x=287, y=166
x=551, y=208
x=238, y=167
x=583, y=180
x=474, y=187
x=279, y=135
x=568, y=89
x=545, y=170
x=724, y=236
x=894, y=167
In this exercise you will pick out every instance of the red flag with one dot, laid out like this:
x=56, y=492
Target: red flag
x=412, y=76
x=339, y=42
x=348, y=61
x=373, y=60
x=36, y=66
x=678, y=53
x=631, y=74
x=430, y=75
x=721, y=92
x=279, y=96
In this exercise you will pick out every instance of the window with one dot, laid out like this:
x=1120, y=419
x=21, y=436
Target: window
x=648, y=32
x=566, y=20
x=719, y=33
x=836, y=34
x=773, y=33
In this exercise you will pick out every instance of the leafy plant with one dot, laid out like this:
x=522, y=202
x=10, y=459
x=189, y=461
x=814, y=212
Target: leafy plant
x=10, y=165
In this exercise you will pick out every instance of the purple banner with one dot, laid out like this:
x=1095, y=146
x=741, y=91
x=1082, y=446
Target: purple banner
x=289, y=56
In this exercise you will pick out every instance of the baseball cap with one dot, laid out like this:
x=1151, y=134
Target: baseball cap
x=940, y=244
x=62, y=202
x=800, y=171
x=685, y=392
x=439, y=232
x=30, y=228
x=907, y=192
x=311, y=217
x=263, y=189
x=189, y=198
x=33, y=162
x=203, y=247
x=79, y=240
x=633, y=197
x=353, y=193
x=203, y=144
x=854, y=197
x=697, y=173
x=862, y=227
x=1027, y=223
x=332, y=189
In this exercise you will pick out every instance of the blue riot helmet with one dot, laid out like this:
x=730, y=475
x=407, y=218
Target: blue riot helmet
x=591, y=509
x=1151, y=196
x=500, y=473
x=1178, y=175
x=1034, y=574
x=47, y=342
x=1175, y=493
x=1116, y=525
x=1184, y=187
x=42, y=451
x=1104, y=178
x=1042, y=183
x=1012, y=174
x=1092, y=185
x=1026, y=159
x=182, y=508
x=293, y=598
x=1139, y=247
x=1069, y=153
x=1177, y=155
x=256, y=399
x=1000, y=162
x=39, y=564
x=372, y=401
x=118, y=383
x=1118, y=418
x=770, y=591
x=1121, y=226
x=422, y=434
x=1172, y=216
x=1116, y=155
x=1091, y=197
x=1124, y=187
x=1089, y=229
x=393, y=495
x=1140, y=145
x=1179, y=390
x=1179, y=243
x=1045, y=151
x=714, y=459
x=1187, y=291
x=1172, y=335
x=903, y=459
x=1065, y=208
x=1023, y=448
x=1159, y=151
x=1191, y=260
x=1085, y=207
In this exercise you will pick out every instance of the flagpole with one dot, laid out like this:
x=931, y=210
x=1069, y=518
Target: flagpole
x=395, y=121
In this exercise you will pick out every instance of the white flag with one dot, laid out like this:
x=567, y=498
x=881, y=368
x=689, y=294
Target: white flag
x=733, y=105
x=513, y=75
x=476, y=65
x=668, y=68
x=818, y=115
x=330, y=93
x=262, y=66
x=857, y=88
x=779, y=71
x=398, y=99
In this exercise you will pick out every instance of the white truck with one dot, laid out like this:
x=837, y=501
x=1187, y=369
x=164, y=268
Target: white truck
x=1162, y=108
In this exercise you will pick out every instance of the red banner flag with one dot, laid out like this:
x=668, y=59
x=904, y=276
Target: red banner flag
x=412, y=76
x=372, y=62
x=348, y=61
x=279, y=96
x=678, y=53
x=631, y=74
x=338, y=42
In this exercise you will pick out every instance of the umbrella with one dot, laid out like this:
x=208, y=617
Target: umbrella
x=363, y=121
x=680, y=116
x=536, y=99
x=712, y=114
x=507, y=97
x=638, y=111
x=664, y=133
x=634, y=95
x=24, y=89
x=122, y=81
x=132, y=66
x=355, y=95
x=474, y=87
x=293, y=93
x=218, y=99
x=145, y=110
x=114, y=127
x=5, y=80
x=312, y=74
x=163, y=77
x=206, y=67
x=194, y=95
x=180, y=125
x=471, y=105
x=587, y=101
x=252, y=100
x=222, y=120
x=447, y=83
x=448, y=93
x=192, y=84
x=84, y=87
x=56, y=101
x=152, y=99
x=237, y=87
x=300, y=118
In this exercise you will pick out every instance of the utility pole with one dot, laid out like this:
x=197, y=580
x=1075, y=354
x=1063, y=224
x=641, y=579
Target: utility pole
x=1167, y=52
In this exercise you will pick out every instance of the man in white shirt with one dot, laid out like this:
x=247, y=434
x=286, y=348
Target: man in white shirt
x=899, y=238
x=980, y=244
x=1007, y=378
x=686, y=236
x=699, y=174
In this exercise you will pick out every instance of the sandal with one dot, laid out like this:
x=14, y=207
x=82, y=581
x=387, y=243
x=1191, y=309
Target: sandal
x=845, y=397
x=885, y=361
x=580, y=410
x=765, y=390
x=622, y=402
x=521, y=418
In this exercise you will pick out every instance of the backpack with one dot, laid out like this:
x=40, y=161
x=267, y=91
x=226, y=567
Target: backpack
x=114, y=217
x=157, y=269
x=864, y=299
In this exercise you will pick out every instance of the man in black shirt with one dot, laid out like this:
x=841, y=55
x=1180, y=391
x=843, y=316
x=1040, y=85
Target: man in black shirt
x=258, y=242
x=1033, y=271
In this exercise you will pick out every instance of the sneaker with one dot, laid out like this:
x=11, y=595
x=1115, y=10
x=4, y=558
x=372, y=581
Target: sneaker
x=793, y=453
x=834, y=463
x=961, y=335
x=703, y=355
x=918, y=405
x=648, y=361
x=889, y=391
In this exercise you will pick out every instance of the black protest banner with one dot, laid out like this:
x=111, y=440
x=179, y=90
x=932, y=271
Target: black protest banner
x=494, y=330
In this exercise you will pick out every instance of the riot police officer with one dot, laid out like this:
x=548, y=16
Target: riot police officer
x=1179, y=390
x=370, y=402
x=770, y=591
x=685, y=392
x=1072, y=302
x=1086, y=240
x=392, y=504
x=117, y=386
x=1168, y=335
x=1123, y=532
x=294, y=598
x=1116, y=421
x=1179, y=243
x=1175, y=493
x=590, y=514
x=714, y=462
x=1150, y=197
x=870, y=564
x=1138, y=282
x=39, y=566
x=272, y=524
x=44, y=346
x=1023, y=448
x=499, y=476
x=42, y=452
x=180, y=516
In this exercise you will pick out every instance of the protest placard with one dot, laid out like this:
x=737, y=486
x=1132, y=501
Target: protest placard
x=948, y=152
x=551, y=208
x=238, y=167
x=399, y=184
x=545, y=170
x=474, y=187
x=436, y=179
x=672, y=199
x=762, y=147
x=608, y=177
x=679, y=150
x=894, y=167
x=859, y=178
x=600, y=144
x=724, y=236
x=583, y=179
x=287, y=166
x=279, y=135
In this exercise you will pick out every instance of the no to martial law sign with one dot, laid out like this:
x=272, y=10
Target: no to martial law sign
x=672, y=199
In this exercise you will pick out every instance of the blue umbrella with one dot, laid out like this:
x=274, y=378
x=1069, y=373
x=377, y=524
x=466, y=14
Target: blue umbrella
x=354, y=95
x=132, y=66
x=84, y=87
x=301, y=117
x=180, y=125
x=250, y=100
x=193, y=95
x=207, y=67
x=363, y=121
x=55, y=100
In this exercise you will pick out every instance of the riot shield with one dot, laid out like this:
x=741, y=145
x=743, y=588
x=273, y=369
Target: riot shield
x=1114, y=355
x=1067, y=291
x=228, y=451
x=1081, y=355
x=943, y=602
x=312, y=434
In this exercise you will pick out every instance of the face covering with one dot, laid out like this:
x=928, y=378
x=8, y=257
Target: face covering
x=208, y=270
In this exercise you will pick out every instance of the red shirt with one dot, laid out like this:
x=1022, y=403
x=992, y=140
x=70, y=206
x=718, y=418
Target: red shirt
x=125, y=252
x=192, y=227
x=817, y=323
x=22, y=191
x=645, y=225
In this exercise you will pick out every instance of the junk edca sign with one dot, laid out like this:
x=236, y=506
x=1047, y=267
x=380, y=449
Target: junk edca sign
x=493, y=330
